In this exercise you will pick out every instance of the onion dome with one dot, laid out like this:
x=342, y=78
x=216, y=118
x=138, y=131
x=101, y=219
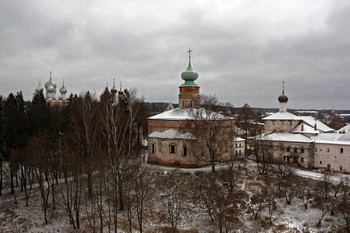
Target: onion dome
x=114, y=90
x=63, y=89
x=50, y=89
x=120, y=92
x=50, y=82
x=39, y=88
x=283, y=98
x=189, y=75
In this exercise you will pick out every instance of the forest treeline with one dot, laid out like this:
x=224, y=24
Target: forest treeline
x=77, y=144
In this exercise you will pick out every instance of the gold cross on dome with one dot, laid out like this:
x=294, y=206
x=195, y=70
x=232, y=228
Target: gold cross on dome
x=189, y=53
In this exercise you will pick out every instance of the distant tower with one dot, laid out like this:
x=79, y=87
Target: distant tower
x=50, y=87
x=114, y=93
x=120, y=92
x=39, y=88
x=189, y=91
x=63, y=91
x=283, y=99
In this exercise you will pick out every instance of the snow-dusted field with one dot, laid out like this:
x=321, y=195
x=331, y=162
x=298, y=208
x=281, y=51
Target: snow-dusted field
x=194, y=217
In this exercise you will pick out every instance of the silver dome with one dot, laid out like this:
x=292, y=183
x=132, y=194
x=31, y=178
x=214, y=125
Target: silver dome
x=63, y=90
x=50, y=89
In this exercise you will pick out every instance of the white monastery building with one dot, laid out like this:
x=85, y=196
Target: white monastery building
x=305, y=141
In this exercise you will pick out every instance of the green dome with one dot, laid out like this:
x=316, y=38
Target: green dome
x=189, y=75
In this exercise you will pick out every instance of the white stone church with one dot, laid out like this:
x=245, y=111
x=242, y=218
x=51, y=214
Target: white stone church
x=305, y=141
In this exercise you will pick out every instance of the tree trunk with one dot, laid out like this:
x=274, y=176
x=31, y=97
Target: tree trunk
x=0, y=176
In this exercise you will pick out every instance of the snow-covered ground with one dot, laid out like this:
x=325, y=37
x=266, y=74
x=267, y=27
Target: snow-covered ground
x=286, y=218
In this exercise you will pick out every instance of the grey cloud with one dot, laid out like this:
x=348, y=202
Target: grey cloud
x=88, y=44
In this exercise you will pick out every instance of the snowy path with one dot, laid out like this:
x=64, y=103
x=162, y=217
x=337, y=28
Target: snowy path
x=335, y=177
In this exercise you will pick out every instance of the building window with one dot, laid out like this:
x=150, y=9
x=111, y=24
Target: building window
x=172, y=149
x=320, y=149
x=288, y=149
x=185, y=151
x=341, y=168
x=316, y=149
x=341, y=150
x=240, y=152
x=320, y=162
x=239, y=144
x=302, y=159
x=327, y=149
x=152, y=150
x=295, y=150
x=236, y=152
x=302, y=150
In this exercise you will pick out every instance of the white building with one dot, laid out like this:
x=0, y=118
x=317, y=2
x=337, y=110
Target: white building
x=305, y=141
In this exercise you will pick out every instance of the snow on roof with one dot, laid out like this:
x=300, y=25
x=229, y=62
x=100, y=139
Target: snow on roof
x=189, y=114
x=169, y=107
x=238, y=139
x=309, y=112
x=333, y=138
x=171, y=134
x=320, y=126
x=305, y=128
x=282, y=116
x=310, y=120
x=286, y=137
x=344, y=129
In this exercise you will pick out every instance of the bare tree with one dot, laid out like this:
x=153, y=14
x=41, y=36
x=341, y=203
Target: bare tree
x=85, y=125
x=305, y=192
x=73, y=186
x=262, y=155
x=143, y=181
x=217, y=202
x=344, y=205
x=256, y=203
x=214, y=131
x=175, y=193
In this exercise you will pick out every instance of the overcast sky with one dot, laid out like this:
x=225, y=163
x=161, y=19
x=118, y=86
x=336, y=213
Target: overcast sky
x=242, y=50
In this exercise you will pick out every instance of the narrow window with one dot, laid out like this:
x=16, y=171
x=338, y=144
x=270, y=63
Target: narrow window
x=152, y=151
x=302, y=150
x=185, y=151
x=302, y=159
x=316, y=149
x=172, y=149
x=327, y=149
x=320, y=162
x=295, y=150
x=341, y=150
x=341, y=168
x=288, y=149
x=240, y=152
x=239, y=144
